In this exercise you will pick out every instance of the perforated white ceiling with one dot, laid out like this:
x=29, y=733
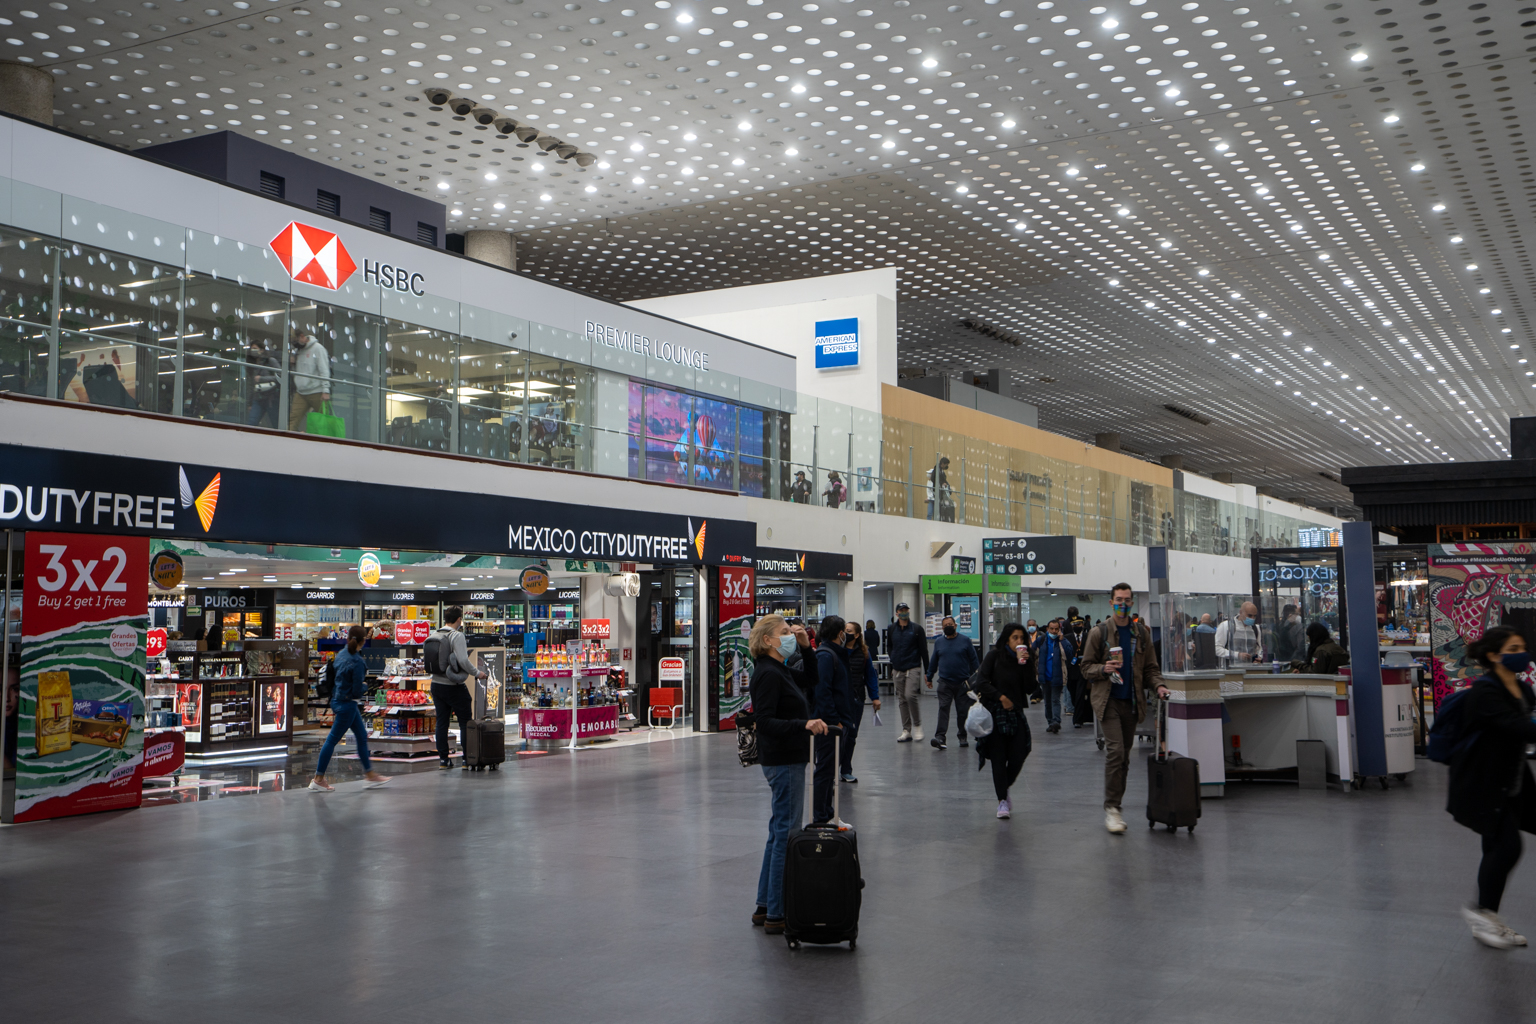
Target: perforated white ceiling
x=1301, y=220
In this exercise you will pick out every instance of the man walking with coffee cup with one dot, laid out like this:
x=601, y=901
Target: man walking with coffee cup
x=1119, y=663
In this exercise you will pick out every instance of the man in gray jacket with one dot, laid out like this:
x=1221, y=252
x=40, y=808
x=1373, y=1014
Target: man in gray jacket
x=311, y=379
x=450, y=695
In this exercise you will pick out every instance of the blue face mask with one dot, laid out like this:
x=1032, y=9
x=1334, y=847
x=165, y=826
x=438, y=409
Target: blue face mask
x=1516, y=663
x=1248, y=621
x=787, y=645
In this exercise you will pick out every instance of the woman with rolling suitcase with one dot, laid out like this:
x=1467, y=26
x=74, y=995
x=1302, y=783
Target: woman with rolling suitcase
x=781, y=714
x=1005, y=681
x=1492, y=791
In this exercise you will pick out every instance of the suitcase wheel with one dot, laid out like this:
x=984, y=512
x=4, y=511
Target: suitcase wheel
x=493, y=767
x=1173, y=828
x=1191, y=828
x=1151, y=823
x=794, y=943
x=853, y=943
x=1100, y=744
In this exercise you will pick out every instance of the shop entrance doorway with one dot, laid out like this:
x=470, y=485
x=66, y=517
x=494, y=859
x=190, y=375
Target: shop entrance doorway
x=667, y=623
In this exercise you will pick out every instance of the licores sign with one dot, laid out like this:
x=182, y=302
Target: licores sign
x=640, y=344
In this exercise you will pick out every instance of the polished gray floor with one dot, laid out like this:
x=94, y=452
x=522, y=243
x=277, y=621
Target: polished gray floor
x=615, y=885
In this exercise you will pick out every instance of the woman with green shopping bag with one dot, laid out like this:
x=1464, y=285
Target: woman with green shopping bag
x=310, y=380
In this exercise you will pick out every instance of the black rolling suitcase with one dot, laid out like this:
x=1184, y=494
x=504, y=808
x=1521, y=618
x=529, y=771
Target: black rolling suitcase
x=1173, y=782
x=823, y=888
x=485, y=745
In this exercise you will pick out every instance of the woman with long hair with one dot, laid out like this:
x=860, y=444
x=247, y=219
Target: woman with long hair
x=351, y=686
x=1492, y=791
x=781, y=714
x=1005, y=683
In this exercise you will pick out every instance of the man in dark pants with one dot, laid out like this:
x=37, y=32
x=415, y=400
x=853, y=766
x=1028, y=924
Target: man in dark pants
x=1118, y=683
x=450, y=695
x=833, y=704
x=954, y=661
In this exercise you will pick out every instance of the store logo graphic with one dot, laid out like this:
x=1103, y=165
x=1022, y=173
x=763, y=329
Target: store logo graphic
x=206, y=502
x=698, y=538
x=313, y=256
x=837, y=343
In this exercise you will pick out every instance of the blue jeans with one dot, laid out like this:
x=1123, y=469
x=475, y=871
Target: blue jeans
x=786, y=782
x=1066, y=701
x=263, y=407
x=348, y=716
x=1053, y=693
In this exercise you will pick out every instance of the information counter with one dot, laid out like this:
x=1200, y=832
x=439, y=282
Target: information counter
x=1243, y=726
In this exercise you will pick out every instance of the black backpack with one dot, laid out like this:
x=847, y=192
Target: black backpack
x=432, y=655
x=325, y=684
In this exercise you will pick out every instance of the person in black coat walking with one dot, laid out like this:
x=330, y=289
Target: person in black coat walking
x=1004, y=684
x=1492, y=791
x=781, y=713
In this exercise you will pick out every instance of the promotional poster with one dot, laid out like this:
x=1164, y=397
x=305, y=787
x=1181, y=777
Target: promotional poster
x=85, y=613
x=733, y=659
x=1472, y=588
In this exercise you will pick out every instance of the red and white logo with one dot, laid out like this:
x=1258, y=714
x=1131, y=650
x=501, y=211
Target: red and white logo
x=313, y=256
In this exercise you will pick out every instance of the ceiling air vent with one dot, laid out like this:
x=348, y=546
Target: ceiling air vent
x=1204, y=421
x=988, y=331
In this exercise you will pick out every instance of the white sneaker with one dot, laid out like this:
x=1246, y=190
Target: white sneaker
x=316, y=786
x=1004, y=809
x=1114, y=820
x=917, y=735
x=905, y=737
x=1489, y=930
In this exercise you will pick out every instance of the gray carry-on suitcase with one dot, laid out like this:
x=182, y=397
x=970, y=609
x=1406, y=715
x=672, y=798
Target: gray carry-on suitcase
x=1173, y=782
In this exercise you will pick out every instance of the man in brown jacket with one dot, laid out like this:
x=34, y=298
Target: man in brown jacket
x=1116, y=692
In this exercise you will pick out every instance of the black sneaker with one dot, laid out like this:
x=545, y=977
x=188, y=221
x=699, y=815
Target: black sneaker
x=964, y=742
x=938, y=743
x=849, y=777
x=444, y=766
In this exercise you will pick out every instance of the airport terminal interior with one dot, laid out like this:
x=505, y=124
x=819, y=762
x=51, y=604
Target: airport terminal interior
x=993, y=509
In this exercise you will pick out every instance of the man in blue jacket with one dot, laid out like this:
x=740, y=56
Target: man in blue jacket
x=954, y=661
x=1053, y=655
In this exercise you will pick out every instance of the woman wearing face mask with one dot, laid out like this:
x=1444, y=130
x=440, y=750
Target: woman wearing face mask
x=1004, y=684
x=1492, y=791
x=781, y=713
x=862, y=678
x=1324, y=656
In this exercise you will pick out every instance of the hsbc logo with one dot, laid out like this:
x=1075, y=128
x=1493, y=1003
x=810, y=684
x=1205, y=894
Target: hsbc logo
x=313, y=256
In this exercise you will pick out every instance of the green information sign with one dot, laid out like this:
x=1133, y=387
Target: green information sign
x=969, y=583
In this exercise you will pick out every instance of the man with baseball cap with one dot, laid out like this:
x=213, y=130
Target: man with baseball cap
x=908, y=650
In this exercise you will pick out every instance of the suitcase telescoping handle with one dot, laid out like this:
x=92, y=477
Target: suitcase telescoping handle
x=810, y=776
x=1162, y=728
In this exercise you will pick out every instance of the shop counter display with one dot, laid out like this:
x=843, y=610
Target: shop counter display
x=555, y=723
x=223, y=708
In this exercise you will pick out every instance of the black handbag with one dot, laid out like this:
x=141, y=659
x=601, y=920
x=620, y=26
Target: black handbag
x=746, y=740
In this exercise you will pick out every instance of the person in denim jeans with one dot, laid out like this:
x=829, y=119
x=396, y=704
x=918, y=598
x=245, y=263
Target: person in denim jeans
x=781, y=714
x=351, y=686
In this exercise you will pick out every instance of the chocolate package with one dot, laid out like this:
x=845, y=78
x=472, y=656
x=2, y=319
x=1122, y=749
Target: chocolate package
x=55, y=705
x=103, y=723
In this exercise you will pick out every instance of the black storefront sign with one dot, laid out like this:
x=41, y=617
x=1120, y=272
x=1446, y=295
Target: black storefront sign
x=52, y=489
x=1029, y=556
x=810, y=565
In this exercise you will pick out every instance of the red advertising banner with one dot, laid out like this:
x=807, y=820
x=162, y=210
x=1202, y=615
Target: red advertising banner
x=595, y=629
x=555, y=723
x=420, y=631
x=737, y=609
x=85, y=613
x=405, y=632
x=165, y=753
x=154, y=643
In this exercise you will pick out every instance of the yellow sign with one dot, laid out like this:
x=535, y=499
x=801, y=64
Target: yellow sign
x=369, y=569
x=534, y=581
x=166, y=569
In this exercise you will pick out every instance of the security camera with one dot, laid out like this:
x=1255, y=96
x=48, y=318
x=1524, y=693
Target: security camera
x=461, y=106
x=546, y=142
x=437, y=97
x=505, y=125
x=525, y=133
x=565, y=151
x=483, y=115
x=585, y=159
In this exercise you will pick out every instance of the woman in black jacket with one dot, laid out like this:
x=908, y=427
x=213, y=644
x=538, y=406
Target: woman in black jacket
x=1492, y=791
x=781, y=714
x=1005, y=683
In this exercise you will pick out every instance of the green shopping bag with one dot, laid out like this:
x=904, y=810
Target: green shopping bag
x=325, y=423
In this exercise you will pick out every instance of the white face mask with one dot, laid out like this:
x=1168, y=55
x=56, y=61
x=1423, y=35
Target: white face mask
x=787, y=644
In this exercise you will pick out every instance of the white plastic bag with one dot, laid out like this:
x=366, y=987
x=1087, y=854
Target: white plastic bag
x=978, y=721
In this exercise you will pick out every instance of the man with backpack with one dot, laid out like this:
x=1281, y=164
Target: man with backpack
x=446, y=655
x=1117, y=683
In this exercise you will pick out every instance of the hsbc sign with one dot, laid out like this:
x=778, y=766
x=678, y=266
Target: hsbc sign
x=318, y=257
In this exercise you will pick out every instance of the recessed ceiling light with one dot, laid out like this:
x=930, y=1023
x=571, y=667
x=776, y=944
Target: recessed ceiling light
x=1358, y=56
x=1416, y=167
x=685, y=19
x=930, y=63
x=1110, y=23
x=443, y=186
x=1391, y=119
x=1455, y=239
x=490, y=175
x=1438, y=207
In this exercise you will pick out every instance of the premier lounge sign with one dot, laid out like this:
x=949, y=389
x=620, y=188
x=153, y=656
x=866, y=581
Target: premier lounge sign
x=644, y=345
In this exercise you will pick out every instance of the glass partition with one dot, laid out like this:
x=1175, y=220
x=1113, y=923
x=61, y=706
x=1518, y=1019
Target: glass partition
x=1296, y=588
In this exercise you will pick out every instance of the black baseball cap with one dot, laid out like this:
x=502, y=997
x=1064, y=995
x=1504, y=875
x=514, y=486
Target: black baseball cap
x=902, y=604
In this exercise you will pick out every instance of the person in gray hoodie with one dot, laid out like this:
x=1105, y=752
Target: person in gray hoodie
x=450, y=695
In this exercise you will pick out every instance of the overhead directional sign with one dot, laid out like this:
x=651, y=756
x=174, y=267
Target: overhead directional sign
x=1029, y=556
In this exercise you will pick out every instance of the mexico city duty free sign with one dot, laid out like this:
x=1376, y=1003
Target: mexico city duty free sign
x=85, y=492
